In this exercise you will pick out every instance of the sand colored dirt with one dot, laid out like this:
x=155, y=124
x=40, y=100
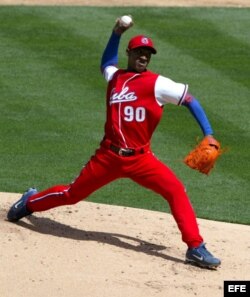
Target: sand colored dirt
x=97, y=250
x=237, y=3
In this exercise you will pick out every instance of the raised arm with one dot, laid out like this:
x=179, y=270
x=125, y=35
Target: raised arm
x=110, y=54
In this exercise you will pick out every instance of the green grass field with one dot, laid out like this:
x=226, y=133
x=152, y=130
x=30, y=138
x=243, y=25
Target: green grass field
x=53, y=99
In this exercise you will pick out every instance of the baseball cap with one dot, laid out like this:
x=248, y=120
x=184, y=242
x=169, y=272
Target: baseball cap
x=141, y=41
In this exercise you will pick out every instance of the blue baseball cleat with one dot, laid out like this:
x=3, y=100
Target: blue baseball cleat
x=19, y=210
x=202, y=257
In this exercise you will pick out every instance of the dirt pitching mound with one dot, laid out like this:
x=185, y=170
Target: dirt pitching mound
x=98, y=250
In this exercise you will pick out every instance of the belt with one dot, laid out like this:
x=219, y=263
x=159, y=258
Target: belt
x=125, y=152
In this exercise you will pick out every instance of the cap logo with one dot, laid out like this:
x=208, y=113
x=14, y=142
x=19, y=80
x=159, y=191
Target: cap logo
x=144, y=40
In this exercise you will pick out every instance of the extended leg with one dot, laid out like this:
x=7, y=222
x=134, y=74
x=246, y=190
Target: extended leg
x=99, y=171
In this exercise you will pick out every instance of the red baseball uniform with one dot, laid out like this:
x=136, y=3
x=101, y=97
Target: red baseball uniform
x=134, y=108
x=134, y=102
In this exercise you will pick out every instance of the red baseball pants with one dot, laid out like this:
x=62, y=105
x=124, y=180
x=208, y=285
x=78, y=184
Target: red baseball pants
x=144, y=169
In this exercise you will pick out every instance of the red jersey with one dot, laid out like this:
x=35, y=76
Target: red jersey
x=133, y=110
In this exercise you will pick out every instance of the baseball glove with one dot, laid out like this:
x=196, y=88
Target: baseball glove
x=204, y=155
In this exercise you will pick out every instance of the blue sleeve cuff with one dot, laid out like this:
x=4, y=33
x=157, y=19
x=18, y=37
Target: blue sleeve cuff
x=199, y=114
x=110, y=54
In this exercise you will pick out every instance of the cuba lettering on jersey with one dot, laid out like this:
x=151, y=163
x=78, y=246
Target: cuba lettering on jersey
x=132, y=110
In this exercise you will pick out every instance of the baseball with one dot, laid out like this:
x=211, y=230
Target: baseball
x=126, y=20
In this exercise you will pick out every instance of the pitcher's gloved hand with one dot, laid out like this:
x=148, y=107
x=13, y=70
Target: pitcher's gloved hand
x=204, y=155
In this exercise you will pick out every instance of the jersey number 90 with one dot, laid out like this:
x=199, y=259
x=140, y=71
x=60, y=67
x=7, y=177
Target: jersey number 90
x=137, y=114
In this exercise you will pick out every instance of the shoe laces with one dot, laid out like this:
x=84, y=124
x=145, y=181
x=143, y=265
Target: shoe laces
x=202, y=249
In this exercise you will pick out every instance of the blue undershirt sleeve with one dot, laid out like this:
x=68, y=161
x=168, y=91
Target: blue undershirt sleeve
x=199, y=114
x=110, y=54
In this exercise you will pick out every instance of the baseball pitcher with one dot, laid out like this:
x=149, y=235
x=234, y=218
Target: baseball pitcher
x=135, y=99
